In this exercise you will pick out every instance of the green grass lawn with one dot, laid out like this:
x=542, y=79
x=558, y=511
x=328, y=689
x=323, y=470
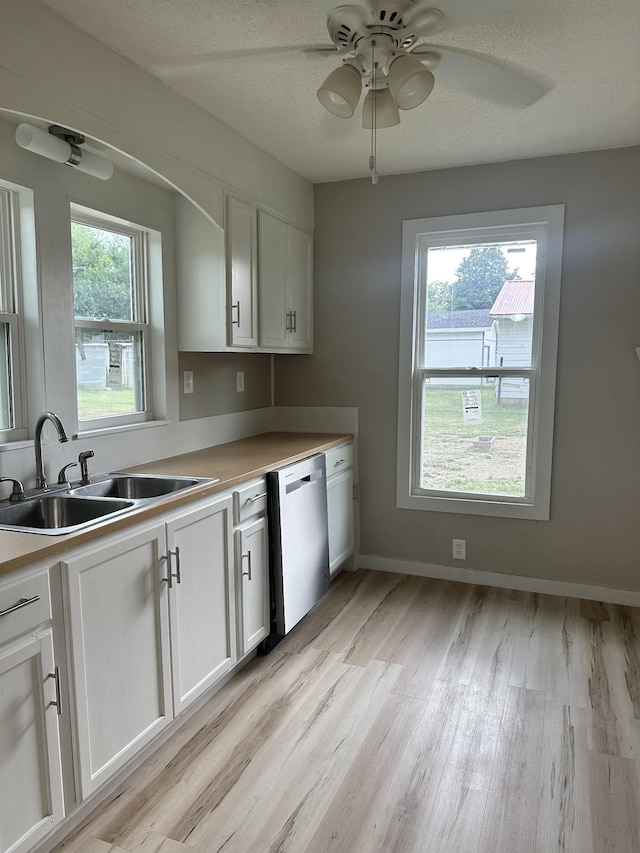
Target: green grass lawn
x=106, y=402
x=444, y=414
x=451, y=458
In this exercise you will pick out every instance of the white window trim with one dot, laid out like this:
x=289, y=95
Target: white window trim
x=548, y=271
x=11, y=307
x=140, y=323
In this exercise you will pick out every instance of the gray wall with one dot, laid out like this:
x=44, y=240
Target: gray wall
x=214, y=383
x=593, y=536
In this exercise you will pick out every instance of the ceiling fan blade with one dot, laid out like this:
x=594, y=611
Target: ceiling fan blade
x=482, y=76
x=461, y=13
x=196, y=63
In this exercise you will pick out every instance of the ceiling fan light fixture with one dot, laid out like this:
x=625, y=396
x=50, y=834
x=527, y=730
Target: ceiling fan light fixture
x=387, y=114
x=340, y=92
x=410, y=83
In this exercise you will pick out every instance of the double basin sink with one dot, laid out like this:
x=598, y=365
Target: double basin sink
x=72, y=508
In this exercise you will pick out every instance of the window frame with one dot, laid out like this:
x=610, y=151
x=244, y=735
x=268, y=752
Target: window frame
x=545, y=224
x=140, y=322
x=11, y=309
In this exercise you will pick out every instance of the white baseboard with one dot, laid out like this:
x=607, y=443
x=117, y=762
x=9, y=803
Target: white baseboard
x=502, y=581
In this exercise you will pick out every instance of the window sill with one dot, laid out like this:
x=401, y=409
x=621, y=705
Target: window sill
x=19, y=444
x=460, y=506
x=114, y=430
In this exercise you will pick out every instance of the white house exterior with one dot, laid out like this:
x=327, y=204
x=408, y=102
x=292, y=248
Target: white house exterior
x=460, y=339
x=512, y=313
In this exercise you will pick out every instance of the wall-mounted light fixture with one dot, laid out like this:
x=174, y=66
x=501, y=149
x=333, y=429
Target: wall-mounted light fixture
x=63, y=146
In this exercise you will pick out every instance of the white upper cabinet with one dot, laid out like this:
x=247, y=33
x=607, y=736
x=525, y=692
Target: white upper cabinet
x=285, y=286
x=201, y=280
x=241, y=234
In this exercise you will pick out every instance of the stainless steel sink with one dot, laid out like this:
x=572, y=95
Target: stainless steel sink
x=137, y=486
x=58, y=513
x=69, y=509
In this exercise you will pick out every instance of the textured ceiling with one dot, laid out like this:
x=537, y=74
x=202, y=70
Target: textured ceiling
x=225, y=56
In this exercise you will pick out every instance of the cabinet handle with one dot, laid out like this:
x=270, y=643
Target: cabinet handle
x=58, y=700
x=294, y=321
x=235, y=306
x=22, y=603
x=170, y=575
x=339, y=462
x=178, y=574
x=248, y=558
x=256, y=497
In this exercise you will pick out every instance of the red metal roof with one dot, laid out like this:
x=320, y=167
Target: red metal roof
x=516, y=297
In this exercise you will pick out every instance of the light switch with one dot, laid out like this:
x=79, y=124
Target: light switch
x=240, y=380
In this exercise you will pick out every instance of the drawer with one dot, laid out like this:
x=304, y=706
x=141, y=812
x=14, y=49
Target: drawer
x=250, y=500
x=339, y=459
x=25, y=603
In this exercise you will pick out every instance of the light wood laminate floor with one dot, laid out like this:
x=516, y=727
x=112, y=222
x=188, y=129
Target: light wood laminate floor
x=406, y=714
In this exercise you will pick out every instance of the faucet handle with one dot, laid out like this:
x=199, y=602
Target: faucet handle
x=63, y=480
x=84, y=470
x=18, y=490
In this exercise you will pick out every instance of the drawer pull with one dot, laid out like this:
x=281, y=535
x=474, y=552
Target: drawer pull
x=339, y=462
x=22, y=603
x=58, y=701
x=256, y=498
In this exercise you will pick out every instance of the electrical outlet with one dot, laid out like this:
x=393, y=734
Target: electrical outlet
x=460, y=549
x=239, y=381
x=188, y=382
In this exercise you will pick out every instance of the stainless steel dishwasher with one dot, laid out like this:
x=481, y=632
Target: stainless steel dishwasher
x=299, y=543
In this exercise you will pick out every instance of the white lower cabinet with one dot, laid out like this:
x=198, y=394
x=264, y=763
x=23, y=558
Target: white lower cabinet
x=340, y=509
x=200, y=600
x=31, y=800
x=252, y=573
x=150, y=618
x=119, y=649
x=252, y=564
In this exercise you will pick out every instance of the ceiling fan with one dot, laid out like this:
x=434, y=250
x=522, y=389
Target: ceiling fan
x=385, y=49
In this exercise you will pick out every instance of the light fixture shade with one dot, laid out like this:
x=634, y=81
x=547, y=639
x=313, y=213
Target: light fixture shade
x=54, y=148
x=410, y=83
x=340, y=92
x=387, y=114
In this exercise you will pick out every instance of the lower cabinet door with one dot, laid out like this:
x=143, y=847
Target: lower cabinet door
x=200, y=600
x=252, y=572
x=119, y=649
x=30, y=764
x=340, y=517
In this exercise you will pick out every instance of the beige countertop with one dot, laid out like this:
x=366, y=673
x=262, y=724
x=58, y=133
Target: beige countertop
x=232, y=463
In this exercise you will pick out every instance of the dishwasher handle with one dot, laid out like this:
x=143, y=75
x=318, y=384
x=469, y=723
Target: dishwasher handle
x=303, y=481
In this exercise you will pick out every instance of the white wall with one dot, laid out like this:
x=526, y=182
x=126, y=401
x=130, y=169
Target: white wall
x=51, y=69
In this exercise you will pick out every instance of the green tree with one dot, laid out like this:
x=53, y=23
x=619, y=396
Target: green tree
x=479, y=278
x=439, y=296
x=101, y=273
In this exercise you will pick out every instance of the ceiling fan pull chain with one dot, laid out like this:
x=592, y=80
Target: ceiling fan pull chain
x=374, y=141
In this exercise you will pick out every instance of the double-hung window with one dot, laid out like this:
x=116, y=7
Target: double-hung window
x=110, y=296
x=478, y=341
x=12, y=391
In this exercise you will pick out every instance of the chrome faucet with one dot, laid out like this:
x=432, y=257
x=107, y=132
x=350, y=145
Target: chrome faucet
x=41, y=480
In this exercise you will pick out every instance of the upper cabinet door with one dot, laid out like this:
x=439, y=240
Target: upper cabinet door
x=241, y=231
x=275, y=319
x=285, y=286
x=299, y=276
